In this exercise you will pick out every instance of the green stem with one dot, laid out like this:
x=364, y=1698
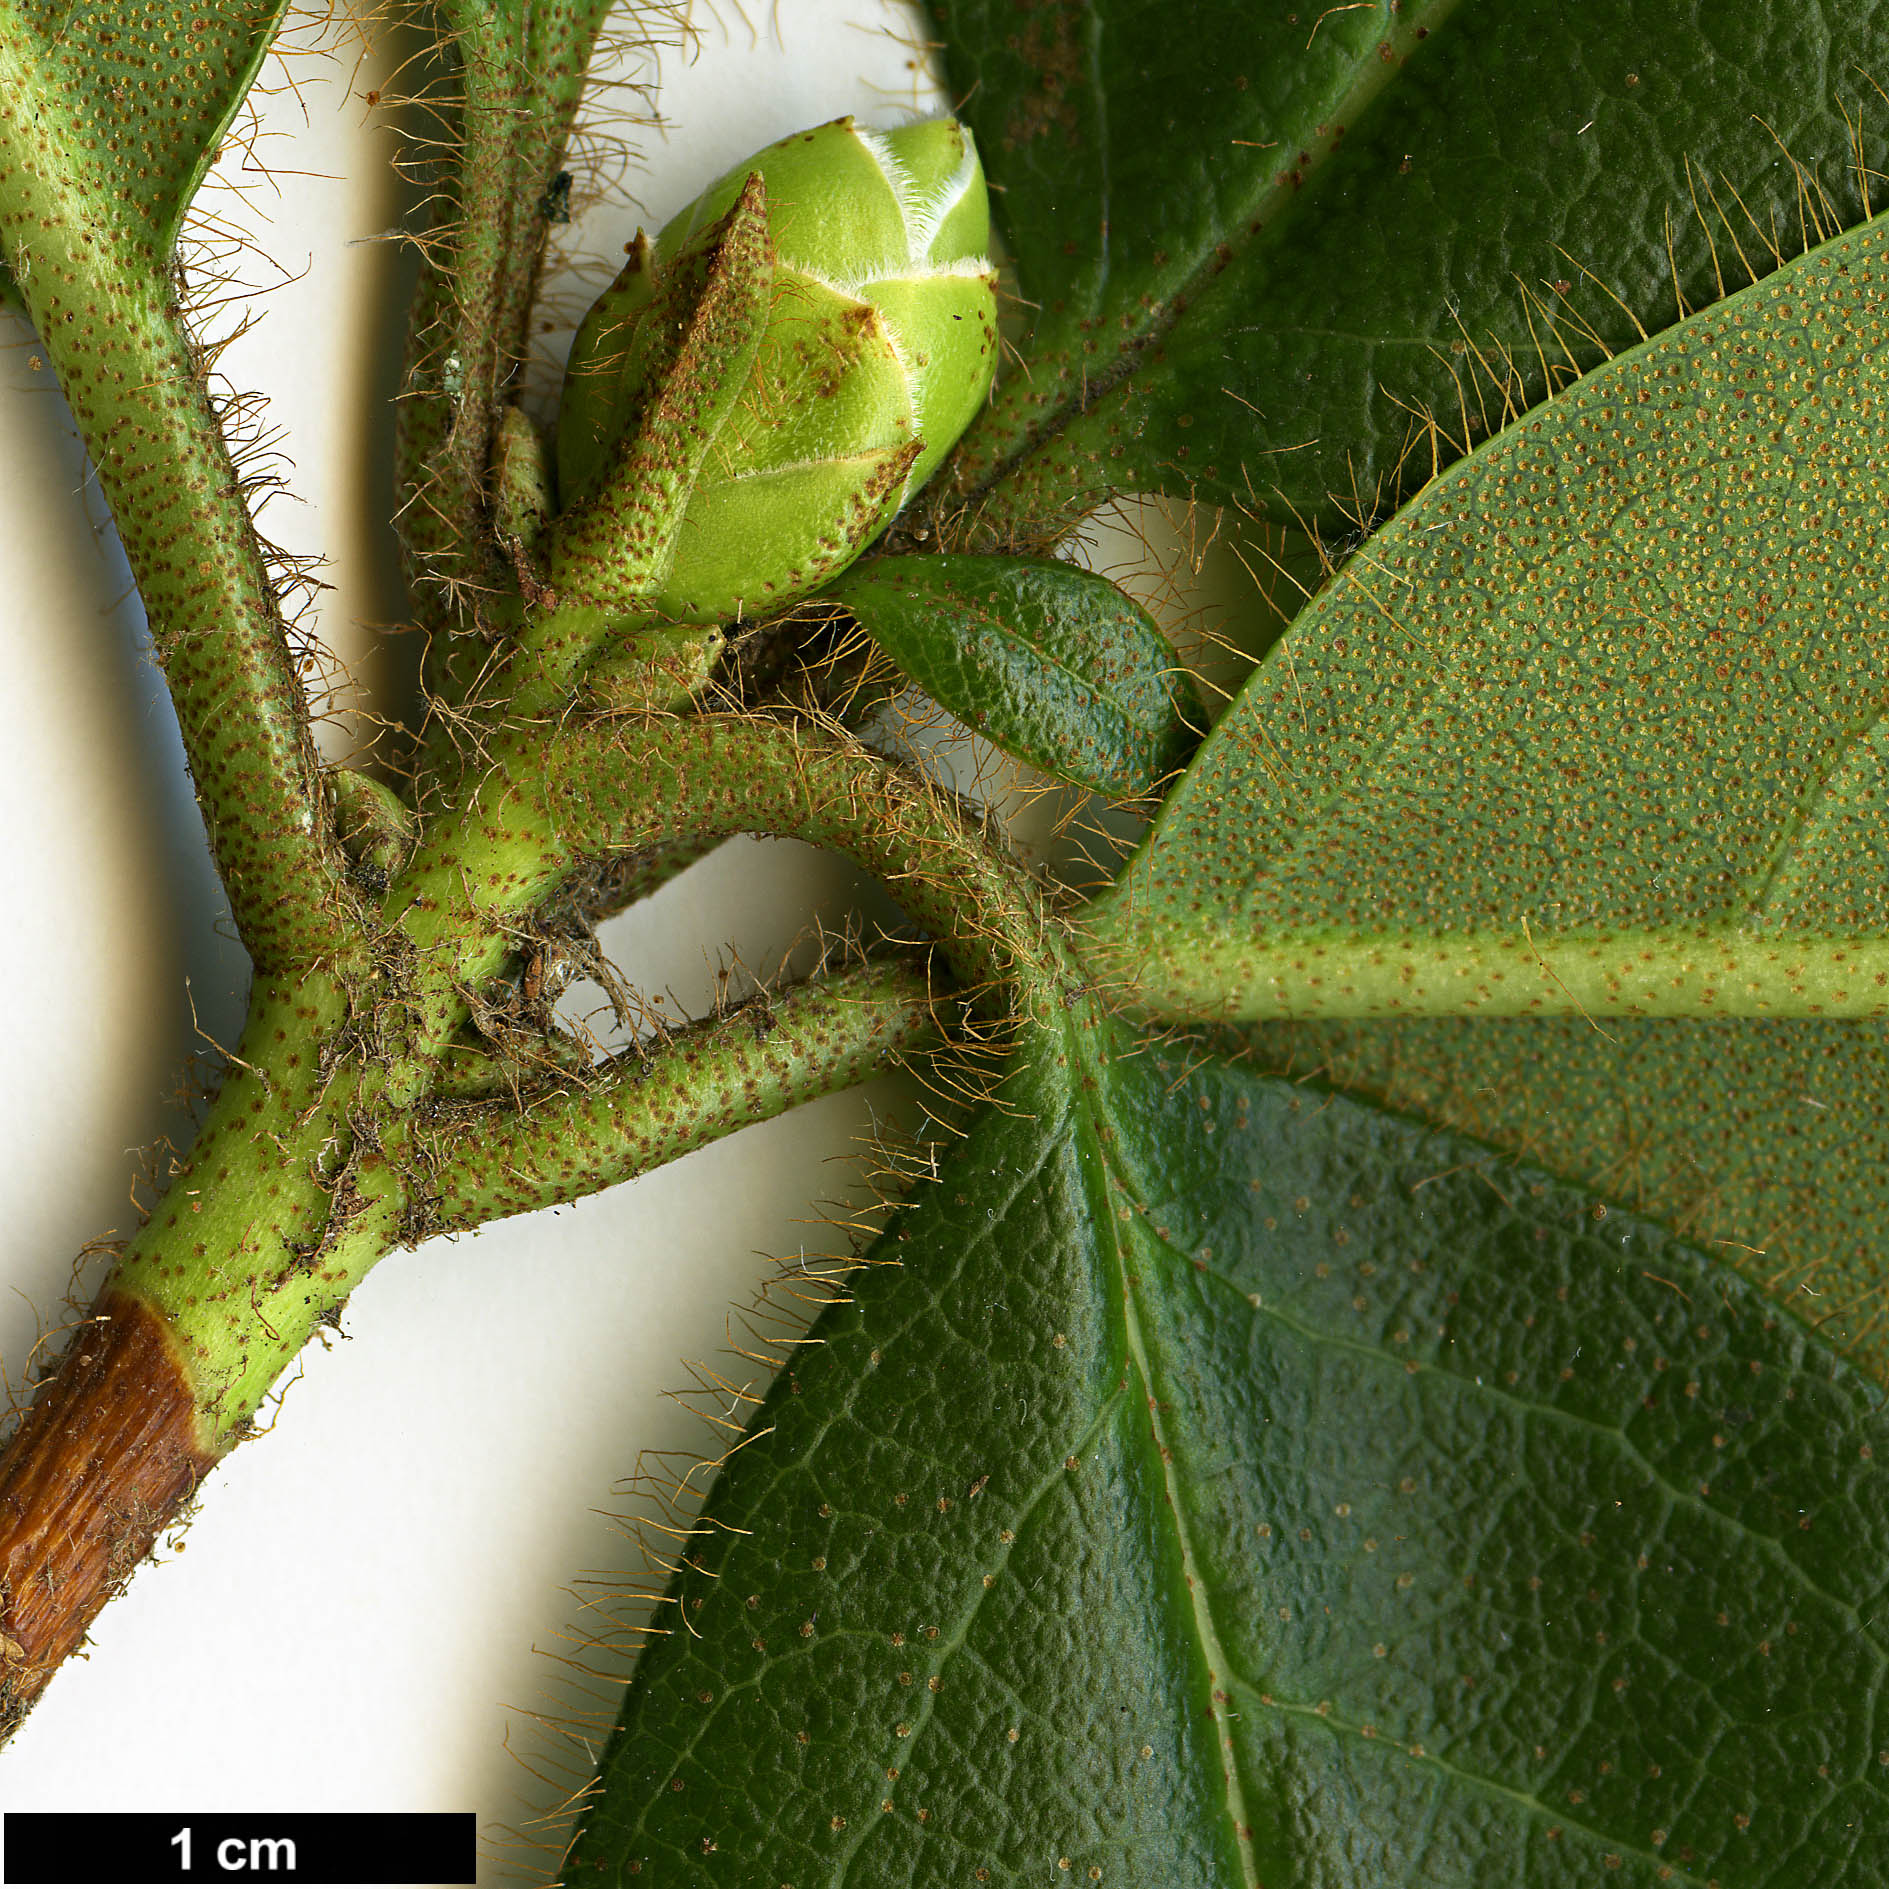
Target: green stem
x=306, y=1175
x=475, y=1070
x=558, y=1142
x=555, y=646
x=281, y=1210
x=543, y=803
x=521, y=76
x=103, y=306
x=618, y=883
x=632, y=661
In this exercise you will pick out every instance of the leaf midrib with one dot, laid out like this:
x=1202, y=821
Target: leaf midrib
x=1220, y=1670
x=993, y=625
x=1772, y=1549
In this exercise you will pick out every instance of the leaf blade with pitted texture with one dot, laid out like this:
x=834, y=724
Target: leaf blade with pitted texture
x=1251, y=239
x=100, y=64
x=1214, y=1482
x=1052, y=663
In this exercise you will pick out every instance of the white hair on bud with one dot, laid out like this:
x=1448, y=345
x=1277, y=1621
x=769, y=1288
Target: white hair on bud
x=965, y=266
x=923, y=221
x=922, y=218
x=898, y=178
x=853, y=287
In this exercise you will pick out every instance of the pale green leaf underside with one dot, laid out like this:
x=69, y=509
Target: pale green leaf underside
x=1592, y=726
x=1218, y=1483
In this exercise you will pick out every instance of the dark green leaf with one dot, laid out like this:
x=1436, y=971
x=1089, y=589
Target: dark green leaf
x=1258, y=236
x=1593, y=726
x=1214, y=1482
x=1767, y=1142
x=1054, y=664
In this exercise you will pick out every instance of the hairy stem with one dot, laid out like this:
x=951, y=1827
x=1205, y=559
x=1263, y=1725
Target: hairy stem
x=292, y=1191
x=303, y=1179
x=521, y=73
x=283, y=1206
x=624, y=879
x=545, y=802
x=323, y=1150
x=105, y=312
x=650, y=1105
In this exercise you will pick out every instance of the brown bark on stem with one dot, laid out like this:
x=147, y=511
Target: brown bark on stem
x=109, y=1452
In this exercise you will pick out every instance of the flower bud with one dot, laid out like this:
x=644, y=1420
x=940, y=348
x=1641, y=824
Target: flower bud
x=844, y=272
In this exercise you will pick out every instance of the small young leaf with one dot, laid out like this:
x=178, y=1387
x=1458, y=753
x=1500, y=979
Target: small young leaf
x=1593, y=726
x=1053, y=663
x=1256, y=237
x=1216, y=1483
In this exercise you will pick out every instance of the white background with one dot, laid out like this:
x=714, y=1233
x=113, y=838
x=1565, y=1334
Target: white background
x=371, y=1603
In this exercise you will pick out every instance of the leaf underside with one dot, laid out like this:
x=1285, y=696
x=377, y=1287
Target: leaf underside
x=1255, y=244
x=1593, y=726
x=1214, y=1481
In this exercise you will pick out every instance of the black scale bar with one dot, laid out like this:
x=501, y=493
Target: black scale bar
x=339, y=1847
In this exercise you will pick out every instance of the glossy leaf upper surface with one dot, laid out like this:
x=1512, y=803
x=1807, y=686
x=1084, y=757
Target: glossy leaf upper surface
x=1252, y=239
x=1052, y=663
x=1215, y=1482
